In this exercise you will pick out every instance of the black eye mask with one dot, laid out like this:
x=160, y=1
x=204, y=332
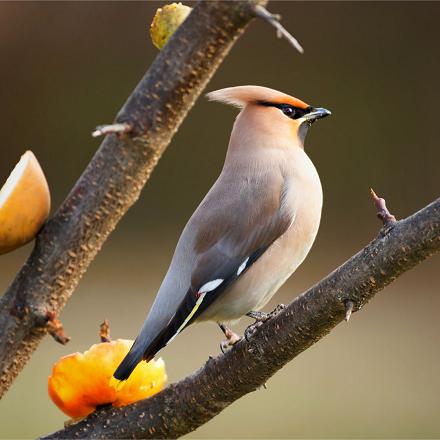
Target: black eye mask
x=289, y=110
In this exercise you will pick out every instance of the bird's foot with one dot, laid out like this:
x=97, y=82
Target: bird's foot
x=260, y=319
x=258, y=316
x=231, y=338
x=279, y=308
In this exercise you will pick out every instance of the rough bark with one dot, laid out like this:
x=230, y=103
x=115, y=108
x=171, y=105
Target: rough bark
x=188, y=404
x=114, y=178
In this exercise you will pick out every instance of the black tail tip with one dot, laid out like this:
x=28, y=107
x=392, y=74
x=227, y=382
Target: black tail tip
x=126, y=367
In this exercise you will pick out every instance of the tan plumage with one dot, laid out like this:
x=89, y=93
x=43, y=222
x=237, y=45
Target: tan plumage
x=252, y=230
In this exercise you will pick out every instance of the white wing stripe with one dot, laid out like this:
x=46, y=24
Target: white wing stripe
x=210, y=285
x=242, y=266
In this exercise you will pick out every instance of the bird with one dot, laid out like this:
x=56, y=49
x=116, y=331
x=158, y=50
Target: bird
x=251, y=231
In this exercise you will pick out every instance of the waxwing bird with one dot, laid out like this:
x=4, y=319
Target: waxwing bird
x=251, y=231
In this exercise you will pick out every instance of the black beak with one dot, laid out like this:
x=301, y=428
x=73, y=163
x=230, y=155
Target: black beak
x=317, y=113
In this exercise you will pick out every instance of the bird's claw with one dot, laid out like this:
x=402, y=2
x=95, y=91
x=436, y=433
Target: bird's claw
x=231, y=339
x=279, y=308
x=258, y=316
x=224, y=346
x=260, y=319
x=252, y=329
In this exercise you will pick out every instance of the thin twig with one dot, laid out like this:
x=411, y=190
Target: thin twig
x=349, y=307
x=55, y=328
x=104, y=331
x=118, y=129
x=274, y=20
x=383, y=214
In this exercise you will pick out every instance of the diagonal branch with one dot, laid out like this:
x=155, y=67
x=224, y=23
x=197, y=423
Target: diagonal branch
x=115, y=176
x=188, y=404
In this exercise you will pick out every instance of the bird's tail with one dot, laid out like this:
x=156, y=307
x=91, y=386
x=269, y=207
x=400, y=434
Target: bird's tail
x=128, y=364
x=149, y=342
x=140, y=351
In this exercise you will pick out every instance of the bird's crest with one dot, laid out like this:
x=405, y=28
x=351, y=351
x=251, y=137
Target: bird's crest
x=244, y=95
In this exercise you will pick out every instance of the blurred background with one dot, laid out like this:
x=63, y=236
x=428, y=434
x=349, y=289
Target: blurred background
x=67, y=67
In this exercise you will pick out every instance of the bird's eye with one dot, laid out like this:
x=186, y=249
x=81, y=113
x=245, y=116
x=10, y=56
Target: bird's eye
x=289, y=111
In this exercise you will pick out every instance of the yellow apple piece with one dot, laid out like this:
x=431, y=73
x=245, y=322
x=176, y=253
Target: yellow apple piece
x=166, y=21
x=24, y=203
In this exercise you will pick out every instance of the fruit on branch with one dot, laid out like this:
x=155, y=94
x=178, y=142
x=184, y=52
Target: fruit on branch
x=24, y=203
x=165, y=22
x=80, y=382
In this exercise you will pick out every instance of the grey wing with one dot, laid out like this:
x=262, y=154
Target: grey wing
x=231, y=229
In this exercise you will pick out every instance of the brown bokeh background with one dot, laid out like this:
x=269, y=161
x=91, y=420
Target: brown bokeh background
x=67, y=67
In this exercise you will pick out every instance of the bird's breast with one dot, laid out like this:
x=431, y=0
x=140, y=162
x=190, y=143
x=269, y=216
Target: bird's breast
x=252, y=291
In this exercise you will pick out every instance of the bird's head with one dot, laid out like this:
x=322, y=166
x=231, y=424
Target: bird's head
x=270, y=110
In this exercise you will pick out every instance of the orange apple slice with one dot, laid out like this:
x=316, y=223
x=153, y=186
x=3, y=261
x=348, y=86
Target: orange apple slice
x=24, y=203
x=80, y=382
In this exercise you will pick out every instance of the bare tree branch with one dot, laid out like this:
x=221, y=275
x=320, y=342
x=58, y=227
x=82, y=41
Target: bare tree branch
x=188, y=404
x=115, y=176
